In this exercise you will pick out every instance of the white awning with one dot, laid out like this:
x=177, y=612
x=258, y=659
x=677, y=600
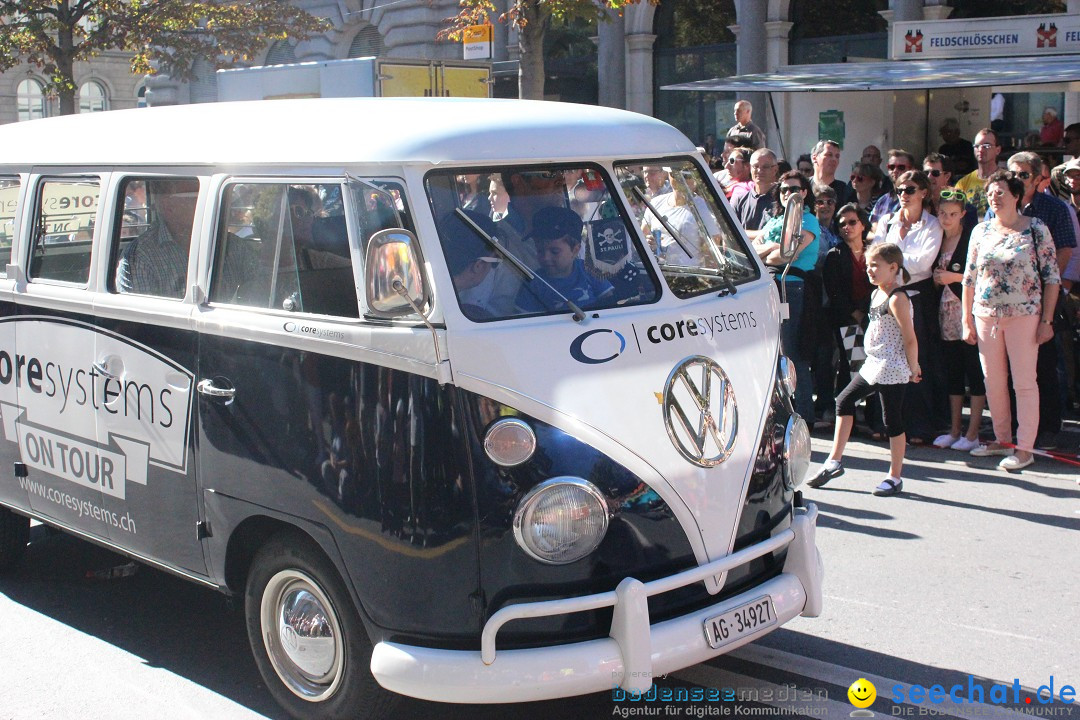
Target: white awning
x=900, y=75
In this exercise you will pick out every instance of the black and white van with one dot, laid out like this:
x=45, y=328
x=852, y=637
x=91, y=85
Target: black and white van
x=302, y=351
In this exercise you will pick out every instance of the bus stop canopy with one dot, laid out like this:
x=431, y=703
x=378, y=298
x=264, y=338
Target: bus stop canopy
x=900, y=75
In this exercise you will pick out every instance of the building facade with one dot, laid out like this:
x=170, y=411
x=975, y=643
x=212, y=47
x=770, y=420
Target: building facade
x=633, y=56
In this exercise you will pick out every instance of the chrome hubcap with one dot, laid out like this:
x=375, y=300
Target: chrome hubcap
x=302, y=635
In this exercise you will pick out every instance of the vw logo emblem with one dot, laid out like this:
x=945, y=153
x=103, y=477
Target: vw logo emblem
x=700, y=412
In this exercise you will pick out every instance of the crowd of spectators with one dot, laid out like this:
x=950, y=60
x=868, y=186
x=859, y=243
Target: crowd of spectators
x=993, y=285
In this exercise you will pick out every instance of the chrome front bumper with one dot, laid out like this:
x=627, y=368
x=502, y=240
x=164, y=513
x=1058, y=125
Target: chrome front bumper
x=632, y=654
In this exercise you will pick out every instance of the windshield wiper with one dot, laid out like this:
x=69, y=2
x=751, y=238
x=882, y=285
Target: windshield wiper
x=729, y=287
x=664, y=221
x=521, y=267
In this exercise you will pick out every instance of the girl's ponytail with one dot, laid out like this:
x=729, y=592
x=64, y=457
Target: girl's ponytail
x=905, y=274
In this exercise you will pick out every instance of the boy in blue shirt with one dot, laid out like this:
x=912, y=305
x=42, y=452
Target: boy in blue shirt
x=557, y=234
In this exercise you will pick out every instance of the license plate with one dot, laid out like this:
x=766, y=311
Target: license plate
x=743, y=620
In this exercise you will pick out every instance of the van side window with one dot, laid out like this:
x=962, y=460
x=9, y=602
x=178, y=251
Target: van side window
x=285, y=246
x=153, y=236
x=64, y=230
x=9, y=201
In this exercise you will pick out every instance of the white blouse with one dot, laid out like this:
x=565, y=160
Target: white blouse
x=920, y=247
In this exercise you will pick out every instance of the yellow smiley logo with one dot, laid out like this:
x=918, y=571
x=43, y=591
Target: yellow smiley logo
x=862, y=693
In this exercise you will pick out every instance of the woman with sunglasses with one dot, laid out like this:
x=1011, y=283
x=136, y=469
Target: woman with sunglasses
x=918, y=234
x=866, y=182
x=961, y=360
x=1009, y=299
x=848, y=290
x=768, y=249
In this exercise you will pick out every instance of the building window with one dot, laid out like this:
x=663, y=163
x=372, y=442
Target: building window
x=92, y=97
x=366, y=43
x=31, y=100
x=281, y=53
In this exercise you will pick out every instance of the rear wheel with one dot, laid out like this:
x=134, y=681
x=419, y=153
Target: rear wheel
x=14, y=535
x=309, y=644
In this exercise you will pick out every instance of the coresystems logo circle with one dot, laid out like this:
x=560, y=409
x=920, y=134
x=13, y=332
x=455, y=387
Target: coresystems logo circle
x=289, y=327
x=597, y=346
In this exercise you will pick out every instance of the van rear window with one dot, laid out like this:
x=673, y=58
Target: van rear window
x=64, y=218
x=286, y=247
x=9, y=203
x=563, y=223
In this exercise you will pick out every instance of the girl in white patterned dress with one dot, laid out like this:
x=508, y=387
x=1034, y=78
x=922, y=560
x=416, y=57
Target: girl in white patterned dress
x=892, y=360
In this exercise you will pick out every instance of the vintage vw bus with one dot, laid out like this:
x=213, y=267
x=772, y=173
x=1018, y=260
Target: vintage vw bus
x=444, y=445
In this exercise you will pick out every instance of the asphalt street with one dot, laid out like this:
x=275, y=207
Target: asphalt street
x=970, y=572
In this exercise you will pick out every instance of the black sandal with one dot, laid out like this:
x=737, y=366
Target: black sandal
x=893, y=487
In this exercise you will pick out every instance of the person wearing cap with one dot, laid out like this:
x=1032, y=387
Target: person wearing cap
x=557, y=234
x=470, y=260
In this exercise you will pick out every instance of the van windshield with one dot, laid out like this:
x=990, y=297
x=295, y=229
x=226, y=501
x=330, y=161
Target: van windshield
x=698, y=246
x=565, y=226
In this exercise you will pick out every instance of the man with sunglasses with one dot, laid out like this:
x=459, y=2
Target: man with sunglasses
x=900, y=161
x=752, y=208
x=938, y=169
x=1060, y=221
x=987, y=149
x=826, y=158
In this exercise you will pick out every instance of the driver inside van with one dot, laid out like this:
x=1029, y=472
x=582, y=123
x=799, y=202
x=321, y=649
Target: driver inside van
x=471, y=262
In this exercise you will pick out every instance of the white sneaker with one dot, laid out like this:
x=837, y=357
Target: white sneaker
x=965, y=445
x=988, y=450
x=946, y=440
x=1013, y=463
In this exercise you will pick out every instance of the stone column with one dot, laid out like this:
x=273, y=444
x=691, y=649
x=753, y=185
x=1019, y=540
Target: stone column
x=611, y=60
x=639, y=65
x=907, y=10
x=751, y=53
x=776, y=56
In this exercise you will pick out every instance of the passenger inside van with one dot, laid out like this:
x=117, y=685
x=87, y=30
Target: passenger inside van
x=557, y=234
x=156, y=262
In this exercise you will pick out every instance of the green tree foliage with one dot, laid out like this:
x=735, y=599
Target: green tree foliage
x=532, y=19
x=166, y=34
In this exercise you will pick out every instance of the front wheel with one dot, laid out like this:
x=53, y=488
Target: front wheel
x=309, y=644
x=14, y=535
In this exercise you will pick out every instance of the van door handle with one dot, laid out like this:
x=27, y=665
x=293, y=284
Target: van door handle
x=208, y=388
x=103, y=369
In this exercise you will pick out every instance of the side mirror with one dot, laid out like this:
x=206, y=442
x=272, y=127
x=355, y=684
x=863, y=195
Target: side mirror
x=791, y=234
x=393, y=276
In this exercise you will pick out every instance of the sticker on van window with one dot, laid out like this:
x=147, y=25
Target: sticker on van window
x=89, y=406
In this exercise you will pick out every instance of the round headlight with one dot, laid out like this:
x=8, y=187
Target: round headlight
x=510, y=442
x=796, y=451
x=787, y=375
x=561, y=520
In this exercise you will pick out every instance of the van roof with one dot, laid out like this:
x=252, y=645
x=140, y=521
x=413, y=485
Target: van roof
x=340, y=131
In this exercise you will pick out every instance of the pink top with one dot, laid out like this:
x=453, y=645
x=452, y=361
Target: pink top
x=1007, y=271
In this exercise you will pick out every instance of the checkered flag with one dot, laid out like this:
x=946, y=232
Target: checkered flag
x=852, y=337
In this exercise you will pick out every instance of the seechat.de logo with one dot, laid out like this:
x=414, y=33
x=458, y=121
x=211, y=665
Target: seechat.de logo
x=597, y=346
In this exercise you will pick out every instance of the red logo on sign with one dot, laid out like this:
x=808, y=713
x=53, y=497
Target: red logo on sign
x=1047, y=35
x=913, y=41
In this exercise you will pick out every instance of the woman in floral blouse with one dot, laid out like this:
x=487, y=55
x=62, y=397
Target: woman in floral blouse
x=1011, y=261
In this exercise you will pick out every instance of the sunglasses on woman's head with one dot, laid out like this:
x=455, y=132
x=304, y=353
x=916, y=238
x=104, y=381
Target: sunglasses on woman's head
x=953, y=195
x=907, y=190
